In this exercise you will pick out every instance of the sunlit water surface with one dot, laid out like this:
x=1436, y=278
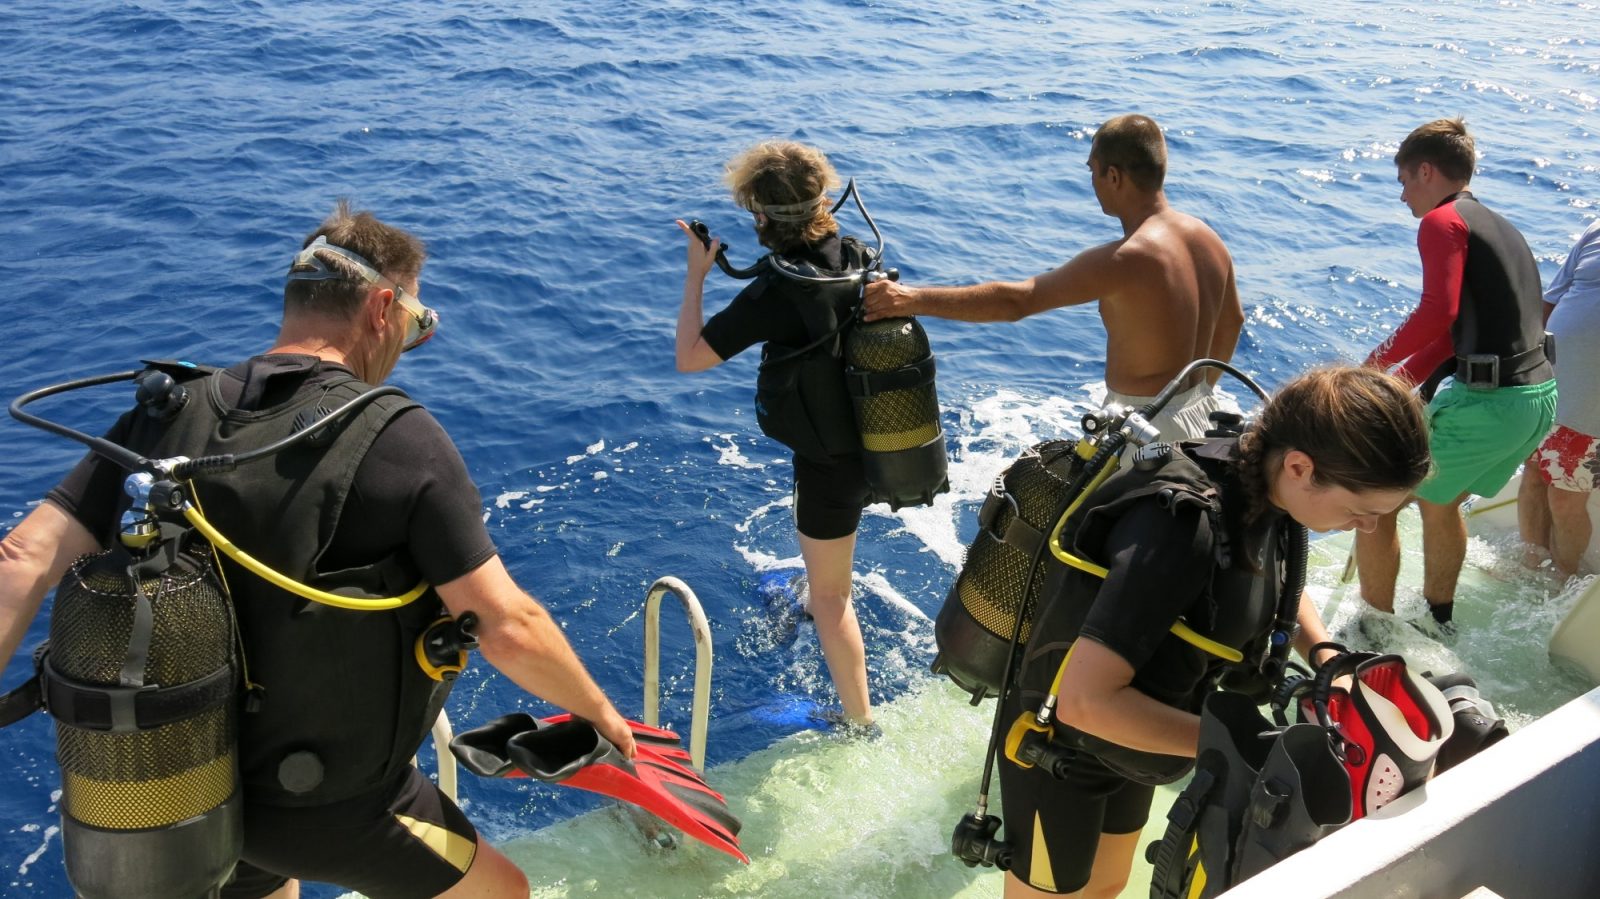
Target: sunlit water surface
x=158, y=162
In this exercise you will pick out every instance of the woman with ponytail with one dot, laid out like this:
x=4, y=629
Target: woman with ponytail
x=1191, y=550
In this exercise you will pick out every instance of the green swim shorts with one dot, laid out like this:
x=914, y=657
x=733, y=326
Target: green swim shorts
x=1479, y=437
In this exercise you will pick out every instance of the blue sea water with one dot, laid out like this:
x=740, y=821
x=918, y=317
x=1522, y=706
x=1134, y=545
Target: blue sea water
x=159, y=161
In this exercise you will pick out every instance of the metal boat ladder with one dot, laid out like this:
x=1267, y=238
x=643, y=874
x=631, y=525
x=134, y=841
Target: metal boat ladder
x=700, y=710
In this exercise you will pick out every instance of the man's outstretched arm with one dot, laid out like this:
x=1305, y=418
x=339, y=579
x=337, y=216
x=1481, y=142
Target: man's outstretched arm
x=517, y=636
x=1089, y=276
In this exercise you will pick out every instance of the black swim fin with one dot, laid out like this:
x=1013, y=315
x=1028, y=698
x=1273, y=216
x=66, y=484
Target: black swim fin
x=1477, y=725
x=1301, y=795
x=569, y=751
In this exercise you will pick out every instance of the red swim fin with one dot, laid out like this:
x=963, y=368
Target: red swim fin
x=569, y=751
x=1388, y=727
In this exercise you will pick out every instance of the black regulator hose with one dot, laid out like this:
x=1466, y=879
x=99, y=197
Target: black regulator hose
x=1102, y=457
x=1176, y=384
x=742, y=274
x=133, y=462
x=123, y=457
x=229, y=461
x=1288, y=615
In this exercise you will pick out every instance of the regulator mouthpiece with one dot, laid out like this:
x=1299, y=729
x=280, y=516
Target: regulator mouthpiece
x=974, y=842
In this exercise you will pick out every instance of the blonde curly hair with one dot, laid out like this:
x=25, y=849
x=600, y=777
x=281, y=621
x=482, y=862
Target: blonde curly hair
x=788, y=183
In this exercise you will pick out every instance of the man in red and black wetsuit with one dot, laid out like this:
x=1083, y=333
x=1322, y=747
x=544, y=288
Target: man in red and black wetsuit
x=1480, y=323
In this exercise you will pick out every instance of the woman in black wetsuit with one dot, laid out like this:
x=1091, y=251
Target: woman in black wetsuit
x=784, y=186
x=1335, y=449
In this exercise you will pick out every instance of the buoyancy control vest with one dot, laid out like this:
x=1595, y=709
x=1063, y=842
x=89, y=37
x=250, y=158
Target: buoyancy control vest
x=1498, y=333
x=1262, y=792
x=1259, y=794
x=336, y=702
x=1229, y=625
x=802, y=399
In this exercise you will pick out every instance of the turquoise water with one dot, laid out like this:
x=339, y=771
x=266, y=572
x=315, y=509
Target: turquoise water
x=158, y=161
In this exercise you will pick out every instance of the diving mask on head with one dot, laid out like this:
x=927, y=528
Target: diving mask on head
x=422, y=321
x=802, y=211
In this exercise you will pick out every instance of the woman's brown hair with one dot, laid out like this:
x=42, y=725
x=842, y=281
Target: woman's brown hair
x=1363, y=429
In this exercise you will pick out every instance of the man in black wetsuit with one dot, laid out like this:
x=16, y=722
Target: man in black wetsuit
x=338, y=703
x=1480, y=322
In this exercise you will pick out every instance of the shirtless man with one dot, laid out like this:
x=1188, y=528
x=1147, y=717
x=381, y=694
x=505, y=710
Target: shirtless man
x=1165, y=290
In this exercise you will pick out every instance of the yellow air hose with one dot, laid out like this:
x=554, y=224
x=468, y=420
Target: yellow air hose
x=1179, y=629
x=277, y=579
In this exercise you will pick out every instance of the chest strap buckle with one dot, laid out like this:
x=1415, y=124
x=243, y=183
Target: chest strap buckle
x=1478, y=371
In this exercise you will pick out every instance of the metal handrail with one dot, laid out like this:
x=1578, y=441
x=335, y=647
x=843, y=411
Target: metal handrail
x=442, y=735
x=701, y=709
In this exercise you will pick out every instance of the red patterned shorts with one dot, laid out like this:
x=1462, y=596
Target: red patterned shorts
x=1569, y=460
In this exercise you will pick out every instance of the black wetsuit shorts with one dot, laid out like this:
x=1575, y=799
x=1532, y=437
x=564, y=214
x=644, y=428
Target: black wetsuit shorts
x=828, y=498
x=403, y=841
x=1065, y=817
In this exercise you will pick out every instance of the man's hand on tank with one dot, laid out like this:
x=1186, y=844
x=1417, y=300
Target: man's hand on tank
x=888, y=299
x=701, y=255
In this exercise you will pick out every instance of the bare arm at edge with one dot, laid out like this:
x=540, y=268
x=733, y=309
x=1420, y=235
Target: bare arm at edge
x=691, y=350
x=33, y=558
x=519, y=638
x=1225, y=337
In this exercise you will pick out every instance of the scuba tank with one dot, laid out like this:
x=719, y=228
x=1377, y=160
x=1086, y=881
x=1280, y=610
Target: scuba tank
x=989, y=610
x=143, y=675
x=142, y=678
x=888, y=374
x=890, y=369
x=990, y=606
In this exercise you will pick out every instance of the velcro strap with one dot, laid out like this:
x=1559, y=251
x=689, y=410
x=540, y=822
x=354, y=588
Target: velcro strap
x=179, y=368
x=130, y=709
x=1169, y=856
x=21, y=702
x=1187, y=805
x=996, y=501
x=907, y=377
x=1023, y=536
x=1018, y=533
